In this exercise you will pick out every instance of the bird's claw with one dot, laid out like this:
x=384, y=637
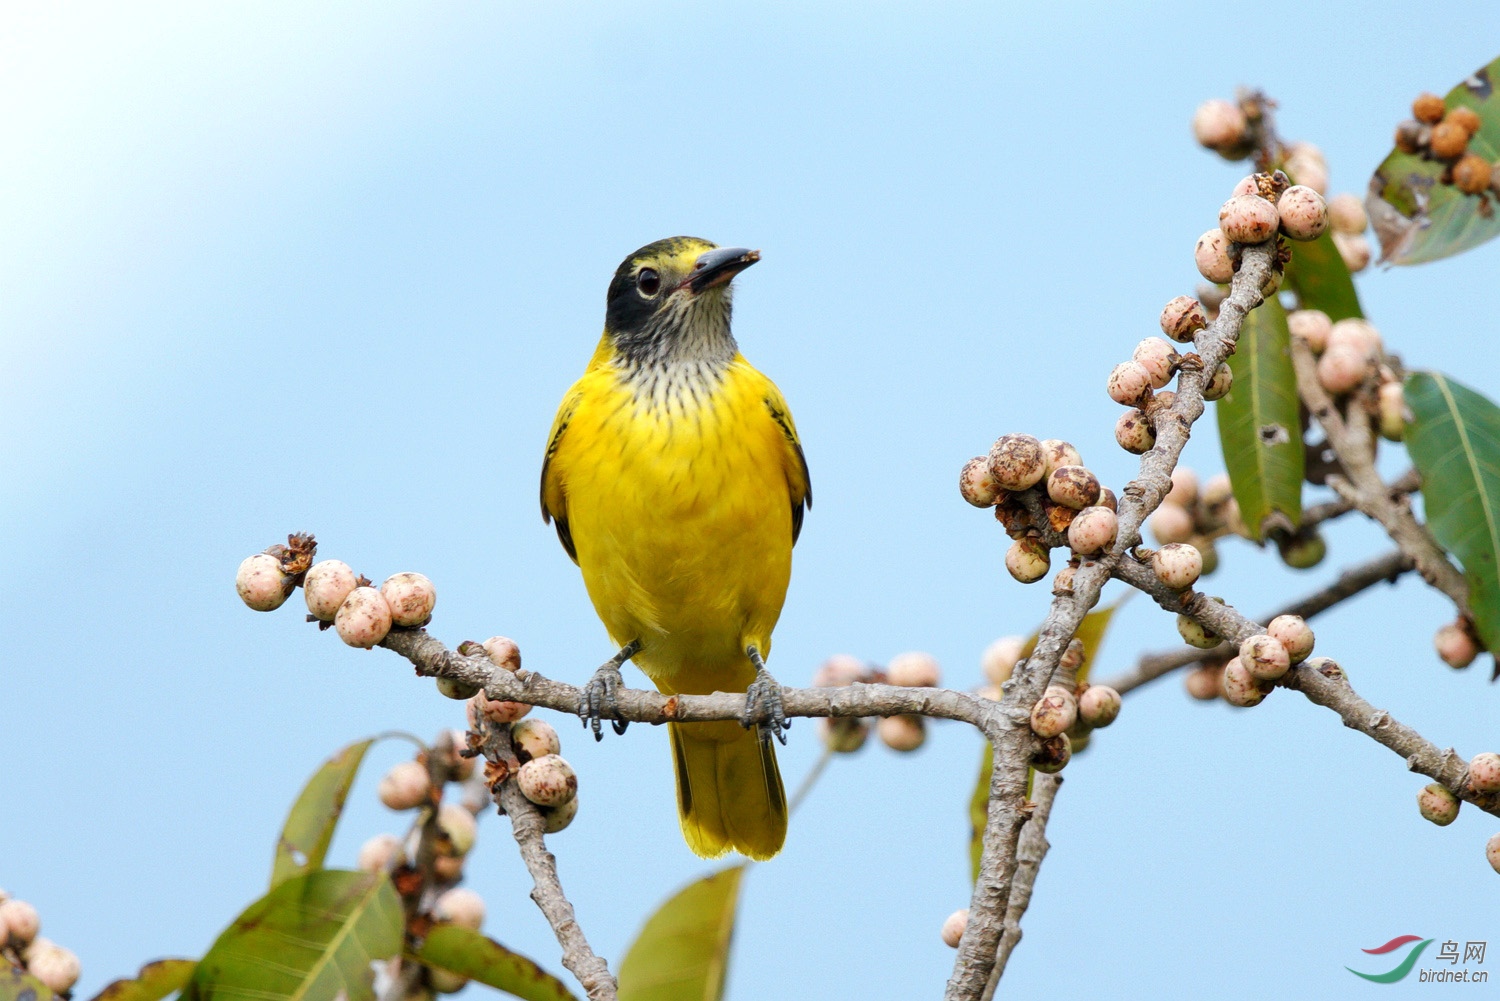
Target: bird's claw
x=763, y=707
x=599, y=700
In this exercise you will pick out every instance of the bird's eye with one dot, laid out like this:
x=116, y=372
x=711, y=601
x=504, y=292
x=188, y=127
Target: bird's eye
x=648, y=281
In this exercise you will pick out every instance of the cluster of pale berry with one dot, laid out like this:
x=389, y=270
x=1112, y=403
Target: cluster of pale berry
x=1043, y=496
x=23, y=949
x=336, y=595
x=903, y=732
x=1438, y=804
x=1197, y=515
x=1259, y=207
x=1443, y=134
x=1351, y=355
x=1233, y=130
x=1246, y=679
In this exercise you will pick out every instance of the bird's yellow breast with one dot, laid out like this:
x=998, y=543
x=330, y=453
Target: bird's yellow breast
x=676, y=484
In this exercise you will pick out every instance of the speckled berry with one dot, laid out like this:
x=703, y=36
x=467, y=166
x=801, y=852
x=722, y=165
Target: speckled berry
x=1354, y=249
x=1471, y=174
x=1178, y=565
x=1449, y=140
x=1183, y=317
x=1211, y=254
x=1129, y=384
x=1346, y=214
x=1358, y=334
x=411, y=597
x=1391, y=404
x=843, y=736
x=1171, y=523
x=977, y=484
x=364, y=619
x=1342, y=370
x=1073, y=486
x=1054, y=712
x=534, y=738
x=901, y=733
x=1455, y=645
x=1492, y=851
x=1219, y=386
x=379, y=854
x=1204, y=683
x=261, y=584
x=1028, y=560
x=19, y=921
x=452, y=688
x=1438, y=804
x=1016, y=461
x=503, y=653
x=326, y=586
x=1054, y=754
x=1219, y=125
x=1303, y=551
x=913, y=670
x=1239, y=688
x=1159, y=359
x=1311, y=326
x=1134, y=433
x=1484, y=772
x=1294, y=634
x=1306, y=164
x=1093, y=530
x=458, y=826
x=838, y=671
x=1303, y=213
x=495, y=710
x=1248, y=219
x=1195, y=635
x=953, y=928
x=1000, y=658
x=557, y=818
x=548, y=780
x=1098, y=706
x=1428, y=108
x=54, y=966
x=1264, y=657
x=405, y=787
x=460, y=906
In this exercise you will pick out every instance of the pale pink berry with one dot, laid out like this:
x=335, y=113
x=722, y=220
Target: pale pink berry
x=557, y=818
x=54, y=966
x=913, y=670
x=977, y=484
x=1016, y=461
x=1358, y=334
x=1171, y=523
x=1219, y=386
x=503, y=652
x=1239, y=688
x=1264, y=657
x=1204, y=683
x=1247, y=185
x=460, y=906
x=1342, y=370
x=1438, y=804
x=953, y=928
x=1307, y=165
x=1129, y=384
x=453, y=688
x=379, y=854
x=1183, y=317
x=548, y=780
x=1099, y=705
x=1311, y=326
x=1455, y=645
x=1217, y=490
x=20, y=921
x=1218, y=125
x=1195, y=635
x=1178, y=565
x=261, y=583
x=364, y=618
x=1028, y=560
x=1072, y=655
x=1159, y=359
x=1294, y=634
x=1057, y=453
x=843, y=736
x=534, y=738
x=1492, y=851
x=405, y=787
x=1093, y=530
x=1001, y=657
x=1054, y=712
x=411, y=597
x=1248, y=219
x=326, y=586
x=458, y=826
x=1073, y=486
x=1184, y=489
x=1354, y=249
x=495, y=710
x=1134, y=433
x=1346, y=213
x=1054, y=754
x=448, y=868
x=1484, y=772
x=901, y=733
x=1304, y=214
x=838, y=671
x=1391, y=401
x=1212, y=256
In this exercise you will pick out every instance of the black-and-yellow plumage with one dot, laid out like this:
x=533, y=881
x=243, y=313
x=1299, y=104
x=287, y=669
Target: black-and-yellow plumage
x=677, y=483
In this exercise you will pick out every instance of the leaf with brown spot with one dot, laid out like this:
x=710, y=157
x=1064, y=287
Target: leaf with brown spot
x=17, y=985
x=154, y=981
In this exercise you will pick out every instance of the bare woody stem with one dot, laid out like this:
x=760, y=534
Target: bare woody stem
x=1331, y=690
x=1362, y=487
x=1030, y=852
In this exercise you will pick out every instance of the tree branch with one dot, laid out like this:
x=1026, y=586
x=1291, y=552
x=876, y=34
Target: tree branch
x=1330, y=690
x=1030, y=852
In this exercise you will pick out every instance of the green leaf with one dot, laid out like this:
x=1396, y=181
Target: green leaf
x=1321, y=279
x=154, y=982
x=18, y=986
x=1091, y=631
x=1418, y=217
x=472, y=955
x=1454, y=441
x=309, y=939
x=682, y=954
x=1260, y=427
x=309, y=826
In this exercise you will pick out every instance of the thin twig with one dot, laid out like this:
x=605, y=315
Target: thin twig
x=1030, y=851
x=1385, y=567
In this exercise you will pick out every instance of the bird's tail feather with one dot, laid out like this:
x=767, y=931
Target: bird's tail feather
x=729, y=792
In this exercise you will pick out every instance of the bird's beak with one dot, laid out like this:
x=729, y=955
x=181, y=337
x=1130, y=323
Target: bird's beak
x=717, y=267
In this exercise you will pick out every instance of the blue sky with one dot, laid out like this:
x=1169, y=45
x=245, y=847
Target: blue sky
x=330, y=267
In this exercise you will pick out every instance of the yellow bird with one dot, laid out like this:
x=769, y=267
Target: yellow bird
x=677, y=483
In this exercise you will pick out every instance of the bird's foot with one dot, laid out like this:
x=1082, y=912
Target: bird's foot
x=763, y=706
x=599, y=695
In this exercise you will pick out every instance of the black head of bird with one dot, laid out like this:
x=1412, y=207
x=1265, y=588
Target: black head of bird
x=670, y=301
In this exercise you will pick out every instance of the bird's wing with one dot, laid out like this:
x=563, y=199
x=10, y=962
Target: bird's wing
x=798, y=481
x=554, y=500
